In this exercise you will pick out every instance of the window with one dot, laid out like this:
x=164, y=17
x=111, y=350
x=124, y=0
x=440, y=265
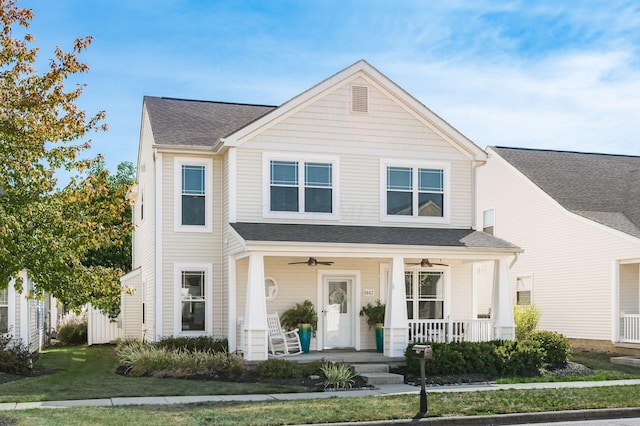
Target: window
x=425, y=294
x=488, y=221
x=193, y=299
x=4, y=310
x=142, y=204
x=193, y=194
x=299, y=188
x=415, y=192
x=524, y=286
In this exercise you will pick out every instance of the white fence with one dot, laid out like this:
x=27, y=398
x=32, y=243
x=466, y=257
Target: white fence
x=100, y=328
x=630, y=332
x=447, y=331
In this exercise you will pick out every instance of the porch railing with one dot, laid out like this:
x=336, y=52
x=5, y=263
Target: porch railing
x=448, y=330
x=630, y=332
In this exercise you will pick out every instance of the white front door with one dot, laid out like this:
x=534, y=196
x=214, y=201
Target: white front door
x=339, y=312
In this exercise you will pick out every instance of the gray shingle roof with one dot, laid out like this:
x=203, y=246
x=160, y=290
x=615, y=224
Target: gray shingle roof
x=198, y=123
x=341, y=234
x=601, y=187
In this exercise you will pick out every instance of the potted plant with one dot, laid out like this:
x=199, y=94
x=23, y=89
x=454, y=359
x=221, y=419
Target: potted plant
x=304, y=317
x=375, y=318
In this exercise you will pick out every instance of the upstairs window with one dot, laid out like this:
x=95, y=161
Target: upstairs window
x=193, y=194
x=488, y=221
x=415, y=192
x=300, y=188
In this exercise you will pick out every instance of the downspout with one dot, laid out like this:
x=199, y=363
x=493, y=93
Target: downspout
x=474, y=184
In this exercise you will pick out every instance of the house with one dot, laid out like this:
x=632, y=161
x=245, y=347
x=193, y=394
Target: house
x=27, y=319
x=577, y=215
x=350, y=192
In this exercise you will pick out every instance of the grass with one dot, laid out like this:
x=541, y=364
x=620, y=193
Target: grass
x=337, y=409
x=89, y=372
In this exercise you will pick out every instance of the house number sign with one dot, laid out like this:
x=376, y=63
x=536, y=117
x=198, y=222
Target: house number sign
x=368, y=292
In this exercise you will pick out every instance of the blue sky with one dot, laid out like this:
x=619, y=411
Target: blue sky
x=538, y=74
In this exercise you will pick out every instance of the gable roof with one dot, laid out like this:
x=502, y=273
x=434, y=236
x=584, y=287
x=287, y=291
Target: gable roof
x=602, y=187
x=386, y=235
x=182, y=122
x=363, y=69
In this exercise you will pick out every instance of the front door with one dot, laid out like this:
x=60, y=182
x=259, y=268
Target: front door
x=338, y=309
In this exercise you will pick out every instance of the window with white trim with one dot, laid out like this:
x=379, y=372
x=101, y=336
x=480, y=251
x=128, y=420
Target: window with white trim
x=425, y=294
x=4, y=310
x=300, y=187
x=193, y=299
x=524, y=286
x=488, y=221
x=415, y=191
x=193, y=202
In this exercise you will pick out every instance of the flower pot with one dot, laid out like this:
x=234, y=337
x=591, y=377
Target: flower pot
x=380, y=337
x=305, y=336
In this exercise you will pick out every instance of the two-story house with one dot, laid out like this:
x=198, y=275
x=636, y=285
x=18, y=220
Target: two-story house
x=351, y=191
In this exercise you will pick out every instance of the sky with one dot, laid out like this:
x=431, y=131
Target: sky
x=547, y=74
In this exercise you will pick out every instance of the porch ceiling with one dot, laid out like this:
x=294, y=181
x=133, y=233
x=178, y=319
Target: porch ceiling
x=377, y=235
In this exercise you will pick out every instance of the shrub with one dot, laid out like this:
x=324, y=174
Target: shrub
x=191, y=344
x=72, y=329
x=15, y=357
x=520, y=358
x=557, y=348
x=338, y=375
x=526, y=318
x=278, y=369
x=312, y=368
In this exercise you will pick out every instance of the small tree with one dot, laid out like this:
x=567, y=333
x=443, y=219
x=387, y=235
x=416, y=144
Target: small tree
x=526, y=318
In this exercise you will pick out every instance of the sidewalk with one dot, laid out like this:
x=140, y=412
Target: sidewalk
x=381, y=390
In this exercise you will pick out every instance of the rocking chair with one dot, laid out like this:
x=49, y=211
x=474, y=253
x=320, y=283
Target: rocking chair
x=282, y=342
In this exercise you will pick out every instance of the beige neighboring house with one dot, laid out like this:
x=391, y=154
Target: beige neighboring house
x=26, y=319
x=577, y=216
x=350, y=192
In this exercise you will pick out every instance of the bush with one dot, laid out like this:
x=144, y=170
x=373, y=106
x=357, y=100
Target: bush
x=520, y=358
x=72, y=329
x=557, y=348
x=191, y=344
x=338, y=375
x=15, y=357
x=526, y=318
x=278, y=369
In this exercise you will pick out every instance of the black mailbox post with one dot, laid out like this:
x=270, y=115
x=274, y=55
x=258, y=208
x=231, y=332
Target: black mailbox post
x=423, y=353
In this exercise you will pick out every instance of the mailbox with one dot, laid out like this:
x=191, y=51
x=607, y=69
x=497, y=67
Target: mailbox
x=423, y=353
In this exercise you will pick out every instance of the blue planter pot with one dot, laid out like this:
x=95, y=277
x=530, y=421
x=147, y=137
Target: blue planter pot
x=379, y=338
x=305, y=337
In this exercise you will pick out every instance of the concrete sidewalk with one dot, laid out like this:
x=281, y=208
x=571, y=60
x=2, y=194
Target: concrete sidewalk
x=381, y=390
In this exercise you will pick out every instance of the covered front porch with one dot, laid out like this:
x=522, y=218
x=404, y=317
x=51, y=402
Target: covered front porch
x=431, y=292
x=627, y=302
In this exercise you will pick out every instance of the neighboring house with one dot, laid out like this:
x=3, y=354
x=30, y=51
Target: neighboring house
x=351, y=191
x=577, y=216
x=26, y=319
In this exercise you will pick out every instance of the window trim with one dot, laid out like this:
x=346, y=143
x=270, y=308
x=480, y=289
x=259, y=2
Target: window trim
x=178, y=269
x=207, y=163
x=301, y=159
x=415, y=165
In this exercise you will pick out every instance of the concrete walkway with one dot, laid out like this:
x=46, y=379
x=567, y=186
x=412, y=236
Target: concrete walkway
x=381, y=390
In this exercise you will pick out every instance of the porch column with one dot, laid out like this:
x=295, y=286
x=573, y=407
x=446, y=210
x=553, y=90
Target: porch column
x=255, y=317
x=396, y=326
x=501, y=307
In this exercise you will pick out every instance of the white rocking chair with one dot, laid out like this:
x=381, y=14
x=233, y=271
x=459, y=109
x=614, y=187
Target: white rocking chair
x=282, y=342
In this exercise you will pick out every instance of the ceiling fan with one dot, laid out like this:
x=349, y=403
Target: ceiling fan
x=312, y=262
x=424, y=263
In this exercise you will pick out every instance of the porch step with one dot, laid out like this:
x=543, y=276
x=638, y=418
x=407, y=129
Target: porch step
x=378, y=374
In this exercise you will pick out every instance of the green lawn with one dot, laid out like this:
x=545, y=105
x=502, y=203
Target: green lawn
x=89, y=372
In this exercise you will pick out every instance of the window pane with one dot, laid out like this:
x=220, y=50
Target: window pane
x=317, y=200
x=409, y=309
x=523, y=297
x=284, y=173
x=317, y=174
x=399, y=203
x=193, y=285
x=193, y=180
x=193, y=303
x=399, y=178
x=430, y=204
x=430, y=180
x=430, y=285
x=488, y=221
x=4, y=319
x=284, y=199
x=193, y=210
x=430, y=310
x=4, y=297
x=193, y=315
x=408, y=284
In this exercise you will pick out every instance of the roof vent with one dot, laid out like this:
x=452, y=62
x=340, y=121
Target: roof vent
x=359, y=99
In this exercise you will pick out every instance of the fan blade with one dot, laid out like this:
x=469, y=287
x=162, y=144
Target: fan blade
x=299, y=263
x=325, y=263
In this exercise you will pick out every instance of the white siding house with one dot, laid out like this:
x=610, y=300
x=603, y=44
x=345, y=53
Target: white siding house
x=577, y=216
x=352, y=188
